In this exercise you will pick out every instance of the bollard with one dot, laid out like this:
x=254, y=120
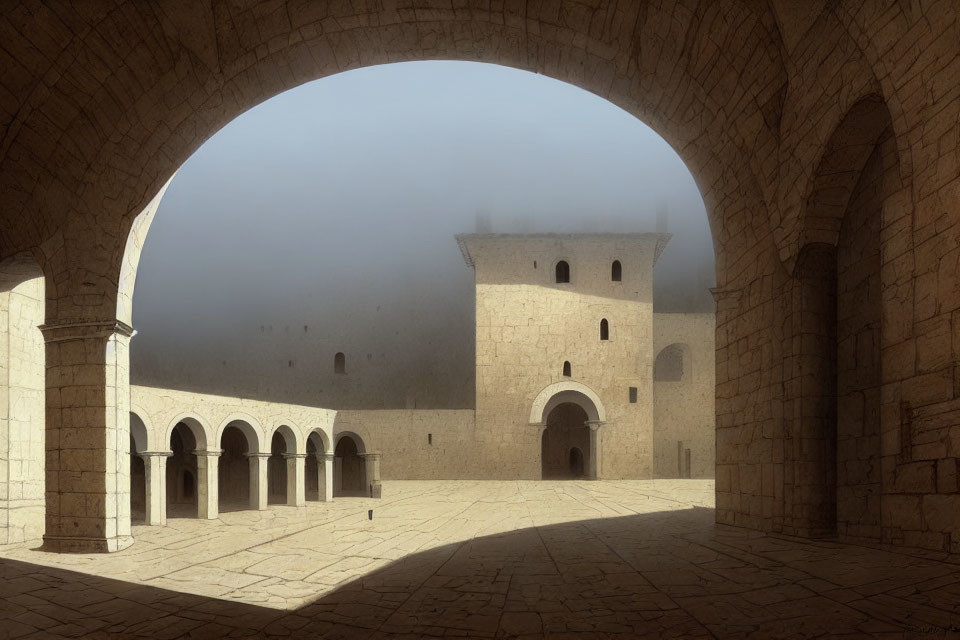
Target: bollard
x=370, y=514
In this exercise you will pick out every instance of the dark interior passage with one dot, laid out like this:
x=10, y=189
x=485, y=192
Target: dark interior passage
x=348, y=469
x=565, y=443
x=182, y=474
x=234, y=471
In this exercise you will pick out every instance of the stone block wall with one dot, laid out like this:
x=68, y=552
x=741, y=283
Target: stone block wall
x=427, y=444
x=683, y=410
x=22, y=408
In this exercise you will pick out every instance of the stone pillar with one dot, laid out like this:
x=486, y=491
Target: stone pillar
x=258, y=480
x=87, y=436
x=372, y=467
x=594, y=460
x=208, y=484
x=325, y=473
x=155, y=465
x=296, y=479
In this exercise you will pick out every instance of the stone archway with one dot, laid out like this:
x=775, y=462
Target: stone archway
x=349, y=468
x=569, y=416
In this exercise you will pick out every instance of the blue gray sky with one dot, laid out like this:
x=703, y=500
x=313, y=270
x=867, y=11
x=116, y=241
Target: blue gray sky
x=323, y=219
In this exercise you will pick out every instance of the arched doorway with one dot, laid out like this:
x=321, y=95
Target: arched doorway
x=570, y=415
x=234, y=469
x=182, y=474
x=315, y=468
x=277, y=470
x=564, y=440
x=350, y=478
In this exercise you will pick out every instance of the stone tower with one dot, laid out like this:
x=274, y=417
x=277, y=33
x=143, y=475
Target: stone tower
x=564, y=352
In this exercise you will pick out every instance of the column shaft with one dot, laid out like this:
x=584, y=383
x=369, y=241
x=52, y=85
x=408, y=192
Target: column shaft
x=87, y=437
x=325, y=473
x=258, y=480
x=155, y=465
x=296, y=479
x=208, y=484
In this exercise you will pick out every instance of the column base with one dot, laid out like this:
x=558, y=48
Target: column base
x=376, y=490
x=70, y=544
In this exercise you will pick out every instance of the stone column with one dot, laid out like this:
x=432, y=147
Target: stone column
x=258, y=480
x=325, y=473
x=155, y=464
x=87, y=436
x=208, y=484
x=296, y=479
x=594, y=460
x=372, y=468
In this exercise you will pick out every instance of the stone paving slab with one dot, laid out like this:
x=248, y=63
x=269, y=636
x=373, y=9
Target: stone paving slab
x=615, y=559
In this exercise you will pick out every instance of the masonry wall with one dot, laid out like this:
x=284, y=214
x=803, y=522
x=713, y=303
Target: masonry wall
x=528, y=325
x=22, y=410
x=430, y=444
x=684, y=411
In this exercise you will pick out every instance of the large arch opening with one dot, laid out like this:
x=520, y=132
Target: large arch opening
x=349, y=470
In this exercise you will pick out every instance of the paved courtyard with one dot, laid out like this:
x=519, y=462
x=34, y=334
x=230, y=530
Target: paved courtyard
x=485, y=560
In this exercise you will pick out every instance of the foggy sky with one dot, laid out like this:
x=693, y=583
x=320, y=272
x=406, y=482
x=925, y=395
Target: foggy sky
x=323, y=221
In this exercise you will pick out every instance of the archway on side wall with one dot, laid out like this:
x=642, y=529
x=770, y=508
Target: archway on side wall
x=138, y=471
x=349, y=470
x=234, y=483
x=282, y=443
x=316, y=446
x=182, y=470
x=839, y=307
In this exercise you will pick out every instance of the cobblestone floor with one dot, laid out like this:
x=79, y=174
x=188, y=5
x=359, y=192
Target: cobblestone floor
x=485, y=560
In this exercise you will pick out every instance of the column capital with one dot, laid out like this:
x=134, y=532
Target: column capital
x=208, y=453
x=155, y=454
x=324, y=457
x=294, y=455
x=373, y=455
x=594, y=424
x=258, y=455
x=67, y=330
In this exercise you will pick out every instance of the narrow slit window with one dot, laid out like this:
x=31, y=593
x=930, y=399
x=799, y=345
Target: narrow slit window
x=604, y=329
x=616, y=271
x=566, y=369
x=340, y=363
x=563, y=271
x=633, y=395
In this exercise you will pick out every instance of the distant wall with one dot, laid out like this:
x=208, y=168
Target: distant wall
x=417, y=444
x=683, y=410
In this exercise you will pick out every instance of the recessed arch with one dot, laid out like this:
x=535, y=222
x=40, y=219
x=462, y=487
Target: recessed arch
x=361, y=445
x=197, y=426
x=291, y=436
x=616, y=271
x=561, y=271
x=673, y=363
x=250, y=427
x=567, y=391
x=139, y=431
x=320, y=440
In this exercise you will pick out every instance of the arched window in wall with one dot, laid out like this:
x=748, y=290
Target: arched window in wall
x=566, y=369
x=616, y=271
x=563, y=271
x=669, y=365
x=340, y=363
x=604, y=329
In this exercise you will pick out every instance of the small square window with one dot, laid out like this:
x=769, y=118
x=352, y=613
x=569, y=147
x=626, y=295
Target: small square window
x=633, y=395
